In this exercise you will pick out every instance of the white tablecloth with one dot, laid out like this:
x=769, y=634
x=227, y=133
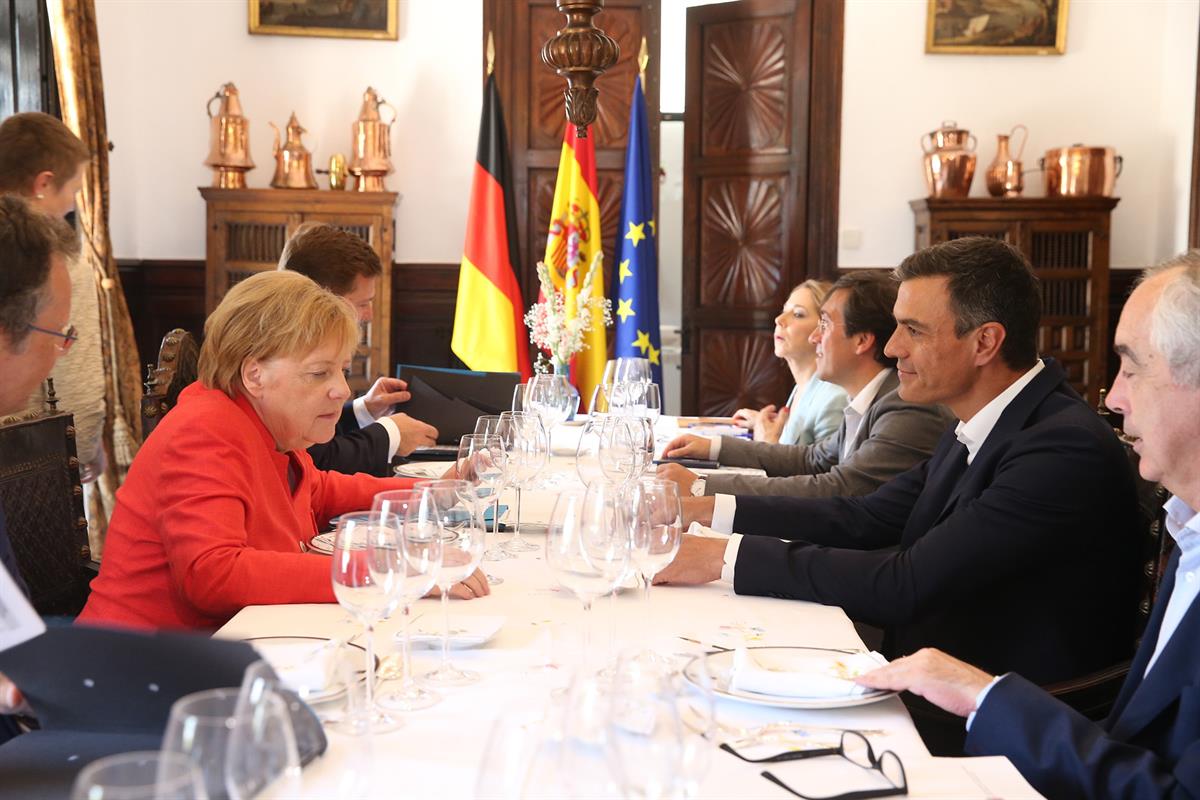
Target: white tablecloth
x=437, y=751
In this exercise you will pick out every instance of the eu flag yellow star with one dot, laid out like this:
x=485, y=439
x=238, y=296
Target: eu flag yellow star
x=625, y=309
x=654, y=355
x=626, y=272
x=636, y=232
x=642, y=342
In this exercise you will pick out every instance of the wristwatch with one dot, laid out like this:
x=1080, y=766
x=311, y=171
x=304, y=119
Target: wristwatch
x=698, y=487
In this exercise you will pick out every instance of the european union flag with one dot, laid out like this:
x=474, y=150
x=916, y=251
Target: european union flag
x=635, y=280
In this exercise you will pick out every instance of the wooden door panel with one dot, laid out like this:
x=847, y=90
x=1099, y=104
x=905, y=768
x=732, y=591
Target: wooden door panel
x=742, y=227
x=745, y=99
x=739, y=370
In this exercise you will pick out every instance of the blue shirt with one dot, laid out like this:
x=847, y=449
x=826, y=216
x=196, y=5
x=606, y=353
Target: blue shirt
x=1184, y=526
x=816, y=414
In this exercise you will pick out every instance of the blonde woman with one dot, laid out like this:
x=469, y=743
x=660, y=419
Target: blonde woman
x=814, y=408
x=222, y=500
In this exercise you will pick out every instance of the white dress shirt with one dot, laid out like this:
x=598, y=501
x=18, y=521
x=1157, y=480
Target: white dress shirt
x=364, y=418
x=856, y=409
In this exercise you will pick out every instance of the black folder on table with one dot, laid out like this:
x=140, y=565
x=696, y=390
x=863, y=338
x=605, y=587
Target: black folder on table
x=97, y=691
x=451, y=400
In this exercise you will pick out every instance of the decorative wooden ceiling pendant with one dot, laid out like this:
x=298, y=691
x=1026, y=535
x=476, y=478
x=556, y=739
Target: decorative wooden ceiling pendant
x=580, y=52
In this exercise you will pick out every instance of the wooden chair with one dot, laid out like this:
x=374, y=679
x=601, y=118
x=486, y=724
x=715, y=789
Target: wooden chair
x=43, y=508
x=1093, y=695
x=178, y=359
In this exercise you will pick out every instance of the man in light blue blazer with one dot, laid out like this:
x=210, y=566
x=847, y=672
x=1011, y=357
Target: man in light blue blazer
x=1150, y=744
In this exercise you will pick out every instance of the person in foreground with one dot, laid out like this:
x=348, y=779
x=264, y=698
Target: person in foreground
x=369, y=432
x=881, y=434
x=35, y=314
x=221, y=501
x=1150, y=744
x=1012, y=546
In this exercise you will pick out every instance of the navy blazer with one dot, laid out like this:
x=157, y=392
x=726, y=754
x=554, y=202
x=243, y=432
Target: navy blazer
x=1148, y=747
x=353, y=449
x=1026, y=561
x=7, y=557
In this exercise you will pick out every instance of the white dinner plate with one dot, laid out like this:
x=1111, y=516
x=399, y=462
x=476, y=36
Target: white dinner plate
x=464, y=631
x=322, y=543
x=335, y=688
x=428, y=470
x=796, y=659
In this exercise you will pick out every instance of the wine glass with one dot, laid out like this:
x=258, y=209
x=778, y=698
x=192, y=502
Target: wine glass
x=657, y=525
x=262, y=757
x=601, y=403
x=528, y=450
x=521, y=758
x=588, y=546
x=462, y=550
x=141, y=775
x=632, y=370
x=645, y=736
x=481, y=463
x=487, y=424
x=519, y=396
x=606, y=451
x=653, y=402
x=368, y=579
x=552, y=398
x=421, y=528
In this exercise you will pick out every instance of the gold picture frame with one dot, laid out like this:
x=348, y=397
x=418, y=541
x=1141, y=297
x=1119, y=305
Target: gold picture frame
x=366, y=19
x=1026, y=27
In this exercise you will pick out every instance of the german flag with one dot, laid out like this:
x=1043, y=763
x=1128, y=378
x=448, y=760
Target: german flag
x=489, y=318
x=573, y=240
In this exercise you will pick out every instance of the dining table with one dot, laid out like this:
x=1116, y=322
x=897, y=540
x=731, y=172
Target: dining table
x=535, y=653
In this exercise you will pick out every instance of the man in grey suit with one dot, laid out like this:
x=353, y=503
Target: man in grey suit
x=881, y=436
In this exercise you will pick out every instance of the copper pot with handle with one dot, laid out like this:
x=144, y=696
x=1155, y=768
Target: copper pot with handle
x=949, y=161
x=1080, y=171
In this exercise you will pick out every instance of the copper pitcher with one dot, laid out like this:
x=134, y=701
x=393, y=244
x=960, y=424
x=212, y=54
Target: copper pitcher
x=1081, y=171
x=1004, y=174
x=293, y=162
x=949, y=161
x=371, y=146
x=229, y=140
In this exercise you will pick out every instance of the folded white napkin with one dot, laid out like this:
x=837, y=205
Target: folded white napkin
x=819, y=676
x=304, y=667
x=696, y=529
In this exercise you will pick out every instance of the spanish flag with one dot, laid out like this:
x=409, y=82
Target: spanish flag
x=573, y=242
x=489, y=316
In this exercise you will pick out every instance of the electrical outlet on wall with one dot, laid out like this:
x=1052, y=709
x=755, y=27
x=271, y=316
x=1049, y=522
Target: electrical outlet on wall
x=851, y=238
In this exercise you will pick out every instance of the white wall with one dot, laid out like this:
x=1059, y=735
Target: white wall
x=162, y=59
x=1127, y=80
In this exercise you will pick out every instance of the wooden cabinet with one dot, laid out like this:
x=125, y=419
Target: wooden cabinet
x=246, y=230
x=1067, y=242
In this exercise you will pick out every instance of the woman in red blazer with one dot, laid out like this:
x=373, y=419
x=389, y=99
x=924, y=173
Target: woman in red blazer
x=221, y=501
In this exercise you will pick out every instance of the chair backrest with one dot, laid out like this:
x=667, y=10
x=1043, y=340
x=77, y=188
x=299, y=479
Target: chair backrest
x=178, y=359
x=43, y=509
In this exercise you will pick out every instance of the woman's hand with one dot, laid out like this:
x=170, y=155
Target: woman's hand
x=745, y=418
x=770, y=426
x=475, y=585
x=11, y=699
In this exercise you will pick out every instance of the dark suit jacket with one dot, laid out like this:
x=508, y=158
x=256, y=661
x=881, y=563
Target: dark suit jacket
x=893, y=436
x=7, y=557
x=1026, y=562
x=353, y=449
x=1148, y=747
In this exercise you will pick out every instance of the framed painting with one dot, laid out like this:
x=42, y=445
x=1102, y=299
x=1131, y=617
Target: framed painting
x=997, y=27
x=342, y=19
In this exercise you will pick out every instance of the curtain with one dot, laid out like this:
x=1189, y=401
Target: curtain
x=81, y=92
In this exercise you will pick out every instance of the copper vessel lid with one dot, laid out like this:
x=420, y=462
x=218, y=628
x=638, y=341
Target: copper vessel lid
x=231, y=104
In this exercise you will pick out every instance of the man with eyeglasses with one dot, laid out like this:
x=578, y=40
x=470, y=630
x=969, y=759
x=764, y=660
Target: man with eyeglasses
x=1149, y=746
x=35, y=329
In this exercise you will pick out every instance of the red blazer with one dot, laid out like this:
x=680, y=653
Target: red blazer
x=205, y=523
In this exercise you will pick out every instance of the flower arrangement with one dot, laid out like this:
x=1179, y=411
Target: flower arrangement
x=551, y=329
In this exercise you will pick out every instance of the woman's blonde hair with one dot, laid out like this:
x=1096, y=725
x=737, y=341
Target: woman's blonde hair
x=268, y=315
x=818, y=289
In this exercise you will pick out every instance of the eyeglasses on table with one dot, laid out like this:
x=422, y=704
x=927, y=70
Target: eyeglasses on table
x=853, y=747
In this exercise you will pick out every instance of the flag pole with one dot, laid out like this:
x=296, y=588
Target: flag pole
x=491, y=53
x=643, y=59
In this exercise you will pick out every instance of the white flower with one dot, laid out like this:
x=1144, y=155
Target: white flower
x=551, y=329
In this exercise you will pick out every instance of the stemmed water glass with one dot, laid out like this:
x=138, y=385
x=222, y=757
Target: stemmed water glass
x=368, y=579
x=550, y=397
x=482, y=463
x=607, y=451
x=588, y=546
x=632, y=370
x=488, y=424
x=519, y=397
x=645, y=736
x=141, y=775
x=462, y=550
x=657, y=527
x=421, y=528
x=527, y=449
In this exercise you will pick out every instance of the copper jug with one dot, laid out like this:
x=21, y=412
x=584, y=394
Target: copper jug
x=949, y=161
x=1004, y=174
x=229, y=140
x=371, y=146
x=293, y=162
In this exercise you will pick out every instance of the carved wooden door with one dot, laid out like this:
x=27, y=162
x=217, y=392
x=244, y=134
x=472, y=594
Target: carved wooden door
x=751, y=227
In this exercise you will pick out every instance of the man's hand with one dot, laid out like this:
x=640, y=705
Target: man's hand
x=475, y=585
x=770, y=425
x=683, y=476
x=697, y=509
x=413, y=434
x=385, y=393
x=699, y=560
x=11, y=699
x=943, y=680
x=688, y=446
x=745, y=418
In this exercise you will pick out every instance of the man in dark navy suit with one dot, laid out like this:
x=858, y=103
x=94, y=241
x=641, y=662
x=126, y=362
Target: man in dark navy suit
x=35, y=329
x=1150, y=744
x=1011, y=547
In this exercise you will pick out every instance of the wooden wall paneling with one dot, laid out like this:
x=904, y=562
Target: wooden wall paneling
x=162, y=295
x=423, y=298
x=746, y=195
